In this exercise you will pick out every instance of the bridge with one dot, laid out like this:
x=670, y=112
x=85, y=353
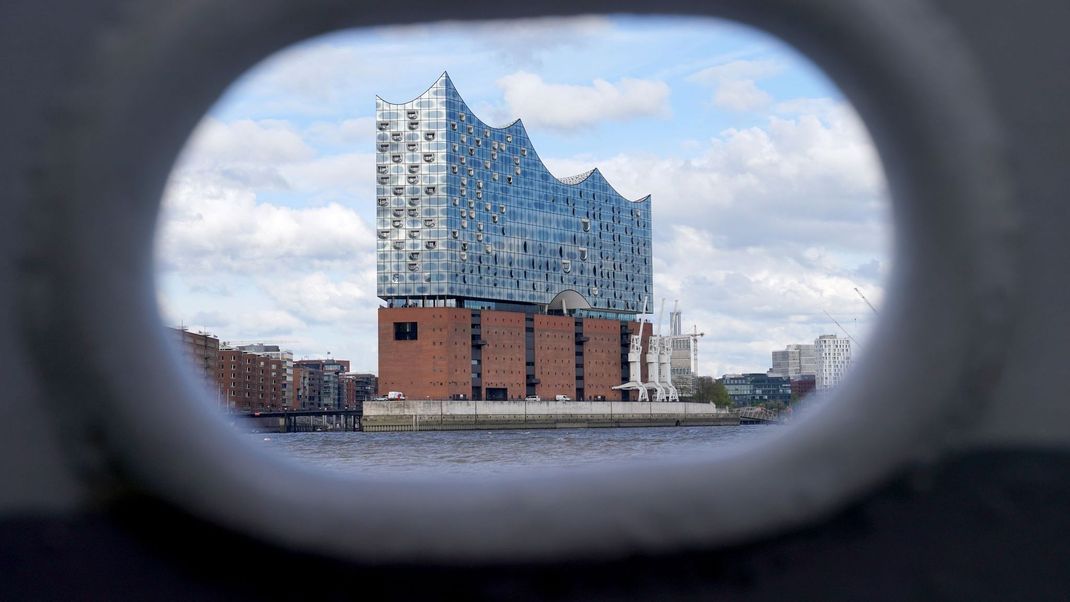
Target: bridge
x=303, y=421
x=758, y=415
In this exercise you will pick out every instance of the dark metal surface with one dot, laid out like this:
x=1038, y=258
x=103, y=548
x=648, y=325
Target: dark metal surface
x=919, y=538
x=955, y=490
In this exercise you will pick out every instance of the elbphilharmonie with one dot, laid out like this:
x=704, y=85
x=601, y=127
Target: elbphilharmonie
x=501, y=280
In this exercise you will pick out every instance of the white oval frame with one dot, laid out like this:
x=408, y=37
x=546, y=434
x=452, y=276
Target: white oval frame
x=936, y=345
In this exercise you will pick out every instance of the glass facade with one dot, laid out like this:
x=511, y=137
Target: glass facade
x=466, y=211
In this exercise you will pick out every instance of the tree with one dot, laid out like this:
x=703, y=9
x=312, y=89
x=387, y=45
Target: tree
x=710, y=390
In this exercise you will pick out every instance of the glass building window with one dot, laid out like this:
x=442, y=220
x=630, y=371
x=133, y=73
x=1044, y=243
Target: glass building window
x=405, y=331
x=544, y=213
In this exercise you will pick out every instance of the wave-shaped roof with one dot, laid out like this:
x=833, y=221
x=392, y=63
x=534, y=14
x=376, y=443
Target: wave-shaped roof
x=576, y=179
x=517, y=129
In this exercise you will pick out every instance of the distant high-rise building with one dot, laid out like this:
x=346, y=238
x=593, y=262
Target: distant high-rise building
x=359, y=388
x=803, y=385
x=749, y=389
x=308, y=388
x=833, y=360
x=202, y=351
x=794, y=361
x=682, y=362
x=251, y=382
x=331, y=392
x=287, y=359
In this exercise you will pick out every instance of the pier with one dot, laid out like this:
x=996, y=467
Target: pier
x=431, y=415
x=301, y=421
x=758, y=415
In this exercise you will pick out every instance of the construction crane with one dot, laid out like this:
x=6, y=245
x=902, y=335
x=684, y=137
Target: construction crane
x=695, y=334
x=842, y=328
x=866, y=300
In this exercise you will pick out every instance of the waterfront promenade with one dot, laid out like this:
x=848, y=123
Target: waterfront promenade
x=438, y=415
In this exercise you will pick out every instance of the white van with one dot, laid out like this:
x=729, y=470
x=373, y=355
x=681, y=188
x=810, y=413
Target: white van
x=395, y=396
x=562, y=398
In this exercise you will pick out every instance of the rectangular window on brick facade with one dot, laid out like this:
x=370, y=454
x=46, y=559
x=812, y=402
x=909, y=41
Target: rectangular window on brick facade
x=404, y=331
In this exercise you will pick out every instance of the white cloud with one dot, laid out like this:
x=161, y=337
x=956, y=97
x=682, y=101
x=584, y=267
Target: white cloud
x=303, y=275
x=240, y=142
x=345, y=177
x=750, y=302
x=356, y=132
x=212, y=227
x=735, y=83
x=264, y=323
x=322, y=77
x=741, y=95
x=793, y=180
x=327, y=299
x=566, y=106
x=736, y=70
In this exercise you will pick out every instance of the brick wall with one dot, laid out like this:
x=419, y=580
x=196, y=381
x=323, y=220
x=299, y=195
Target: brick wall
x=555, y=356
x=503, y=353
x=437, y=364
x=601, y=358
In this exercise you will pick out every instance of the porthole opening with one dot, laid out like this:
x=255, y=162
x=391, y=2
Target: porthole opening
x=768, y=215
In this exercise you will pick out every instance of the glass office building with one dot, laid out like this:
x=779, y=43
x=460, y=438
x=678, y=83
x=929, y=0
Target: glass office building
x=468, y=216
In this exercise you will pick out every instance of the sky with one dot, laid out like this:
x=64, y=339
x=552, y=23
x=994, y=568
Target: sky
x=769, y=203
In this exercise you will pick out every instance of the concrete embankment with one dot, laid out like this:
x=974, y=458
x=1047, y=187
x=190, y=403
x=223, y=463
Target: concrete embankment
x=422, y=415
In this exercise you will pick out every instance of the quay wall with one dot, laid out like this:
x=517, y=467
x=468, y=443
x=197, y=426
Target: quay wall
x=435, y=415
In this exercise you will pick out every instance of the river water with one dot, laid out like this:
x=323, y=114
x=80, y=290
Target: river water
x=482, y=453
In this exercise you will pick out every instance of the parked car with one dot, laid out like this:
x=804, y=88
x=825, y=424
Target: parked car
x=563, y=398
x=532, y=398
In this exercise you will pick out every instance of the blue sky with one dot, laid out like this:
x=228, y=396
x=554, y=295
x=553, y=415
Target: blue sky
x=769, y=203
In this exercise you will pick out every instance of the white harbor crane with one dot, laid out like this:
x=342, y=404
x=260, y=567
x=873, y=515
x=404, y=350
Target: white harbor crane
x=653, y=361
x=664, y=344
x=635, y=352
